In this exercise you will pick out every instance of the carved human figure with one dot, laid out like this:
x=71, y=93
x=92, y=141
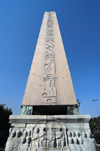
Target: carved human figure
x=86, y=145
x=73, y=134
x=44, y=140
x=25, y=134
x=9, y=145
x=51, y=136
x=72, y=145
x=13, y=141
x=89, y=135
x=35, y=140
x=81, y=142
x=84, y=135
x=54, y=139
x=10, y=142
x=41, y=135
x=13, y=134
x=38, y=139
x=78, y=146
x=17, y=141
x=10, y=130
x=29, y=133
x=24, y=144
x=60, y=138
x=92, y=143
x=28, y=141
x=69, y=134
x=77, y=134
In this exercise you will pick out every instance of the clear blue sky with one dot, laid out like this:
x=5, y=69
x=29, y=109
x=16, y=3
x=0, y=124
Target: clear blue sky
x=79, y=22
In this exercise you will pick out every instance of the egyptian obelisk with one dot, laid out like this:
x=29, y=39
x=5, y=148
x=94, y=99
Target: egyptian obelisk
x=49, y=81
x=49, y=119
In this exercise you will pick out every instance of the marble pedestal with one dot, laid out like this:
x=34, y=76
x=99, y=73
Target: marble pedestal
x=50, y=133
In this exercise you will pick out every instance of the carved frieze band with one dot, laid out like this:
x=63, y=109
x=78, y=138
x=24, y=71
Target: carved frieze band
x=49, y=88
x=53, y=135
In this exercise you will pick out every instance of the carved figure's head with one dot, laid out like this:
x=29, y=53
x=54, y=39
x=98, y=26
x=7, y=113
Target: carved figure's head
x=13, y=134
x=25, y=134
x=28, y=140
x=89, y=135
x=84, y=134
x=81, y=140
x=23, y=140
x=44, y=129
x=70, y=140
x=60, y=129
x=75, y=141
x=38, y=130
x=29, y=133
x=77, y=134
x=69, y=133
x=18, y=133
x=73, y=134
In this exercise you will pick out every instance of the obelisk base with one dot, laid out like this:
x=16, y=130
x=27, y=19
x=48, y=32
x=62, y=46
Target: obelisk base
x=50, y=133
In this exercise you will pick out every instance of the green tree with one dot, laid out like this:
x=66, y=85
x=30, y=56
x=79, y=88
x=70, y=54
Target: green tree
x=97, y=137
x=95, y=124
x=5, y=112
x=95, y=128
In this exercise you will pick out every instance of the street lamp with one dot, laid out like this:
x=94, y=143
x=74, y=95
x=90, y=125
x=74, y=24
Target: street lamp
x=96, y=105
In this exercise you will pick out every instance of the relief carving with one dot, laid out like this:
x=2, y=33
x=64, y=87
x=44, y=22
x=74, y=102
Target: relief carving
x=49, y=67
x=49, y=87
x=13, y=143
x=49, y=90
x=50, y=40
x=52, y=135
x=49, y=56
x=50, y=23
x=49, y=32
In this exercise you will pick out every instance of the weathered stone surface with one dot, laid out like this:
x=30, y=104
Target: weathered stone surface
x=49, y=81
x=68, y=119
x=69, y=133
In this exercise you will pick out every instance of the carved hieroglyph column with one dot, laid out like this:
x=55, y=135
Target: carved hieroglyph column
x=49, y=77
x=49, y=81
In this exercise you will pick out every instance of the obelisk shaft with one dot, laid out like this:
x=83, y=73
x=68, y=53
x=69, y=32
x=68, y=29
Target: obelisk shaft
x=49, y=81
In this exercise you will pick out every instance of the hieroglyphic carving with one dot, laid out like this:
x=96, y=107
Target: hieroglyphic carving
x=49, y=91
x=49, y=86
x=49, y=67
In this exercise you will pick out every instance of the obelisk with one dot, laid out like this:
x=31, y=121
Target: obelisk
x=49, y=81
x=49, y=120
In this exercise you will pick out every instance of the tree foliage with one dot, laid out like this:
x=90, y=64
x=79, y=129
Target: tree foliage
x=5, y=112
x=95, y=128
x=95, y=124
